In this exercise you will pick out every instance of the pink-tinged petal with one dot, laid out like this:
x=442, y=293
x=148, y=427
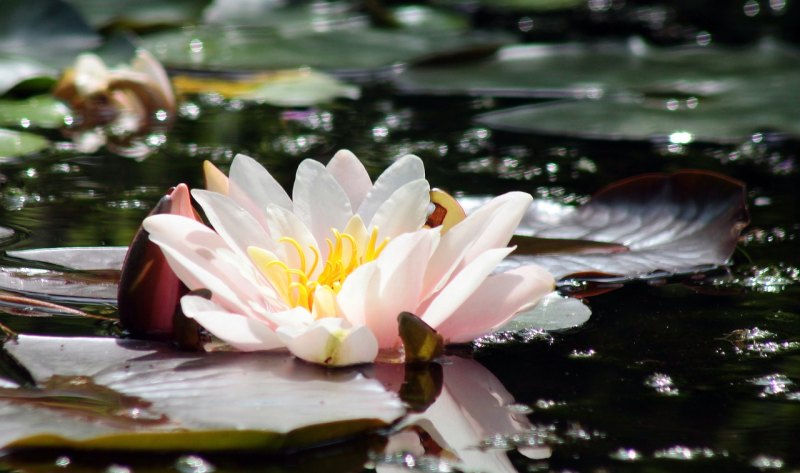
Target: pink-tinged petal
x=405, y=211
x=180, y=202
x=283, y=223
x=402, y=266
x=237, y=330
x=351, y=175
x=331, y=342
x=462, y=286
x=233, y=223
x=490, y=226
x=253, y=187
x=320, y=202
x=406, y=169
x=360, y=293
x=149, y=291
x=496, y=301
x=202, y=260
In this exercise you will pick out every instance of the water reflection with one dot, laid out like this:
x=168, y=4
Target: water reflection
x=471, y=423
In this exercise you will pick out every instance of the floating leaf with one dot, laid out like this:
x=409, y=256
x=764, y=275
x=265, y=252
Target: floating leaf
x=295, y=88
x=357, y=51
x=14, y=144
x=553, y=312
x=595, y=70
x=80, y=274
x=733, y=119
x=36, y=112
x=671, y=223
x=139, y=13
x=183, y=401
x=527, y=6
x=17, y=69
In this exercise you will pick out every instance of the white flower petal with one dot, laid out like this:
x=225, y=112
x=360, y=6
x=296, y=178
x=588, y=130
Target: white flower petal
x=202, y=260
x=320, y=202
x=496, y=301
x=404, y=211
x=402, y=266
x=404, y=170
x=233, y=223
x=239, y=331
x=351, y=175
x=360, y=293
x=490, y=226
x=332, y=342
x=462, y=286
x=253, y=187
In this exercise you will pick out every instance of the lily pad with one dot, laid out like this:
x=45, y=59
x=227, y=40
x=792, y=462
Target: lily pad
x=579, y=70
x=725, y=120
x=521, y=6
x=553, y=312
x=295, y=88
x=356, y=51
x=14, y=144
x=78, y=274
x=101, y=393
x=139, y=13
x=684, y=222
x=36, y=112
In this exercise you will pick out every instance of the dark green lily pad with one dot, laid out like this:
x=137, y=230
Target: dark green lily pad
x=355, y=51
x=729, y=120
x=603, y=69
x=36, y=112
x=104, y=393
x=14, y=144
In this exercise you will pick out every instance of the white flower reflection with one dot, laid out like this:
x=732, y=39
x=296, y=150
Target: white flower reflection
x=470, y=425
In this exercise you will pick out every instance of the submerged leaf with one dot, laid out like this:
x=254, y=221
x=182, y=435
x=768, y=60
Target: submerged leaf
x=278, y=403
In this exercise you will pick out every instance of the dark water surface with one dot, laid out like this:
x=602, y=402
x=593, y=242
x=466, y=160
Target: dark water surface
x=662, y=378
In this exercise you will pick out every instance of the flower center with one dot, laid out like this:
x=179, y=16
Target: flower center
x=309, y=287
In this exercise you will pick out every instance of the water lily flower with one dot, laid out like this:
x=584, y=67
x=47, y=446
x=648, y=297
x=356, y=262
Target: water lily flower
x=326, y=272
x=115, y=106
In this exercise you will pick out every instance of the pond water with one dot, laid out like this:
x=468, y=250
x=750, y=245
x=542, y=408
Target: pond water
x=665, y=376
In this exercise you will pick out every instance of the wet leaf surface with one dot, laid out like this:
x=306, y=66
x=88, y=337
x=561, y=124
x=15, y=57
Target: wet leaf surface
x=14, y=144
x=279, y=403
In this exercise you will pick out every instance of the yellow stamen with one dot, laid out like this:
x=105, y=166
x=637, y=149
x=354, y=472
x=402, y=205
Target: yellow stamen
x=300, y=252
x=298, y=286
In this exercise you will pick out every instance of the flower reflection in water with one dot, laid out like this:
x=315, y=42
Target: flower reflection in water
x=464, y=418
